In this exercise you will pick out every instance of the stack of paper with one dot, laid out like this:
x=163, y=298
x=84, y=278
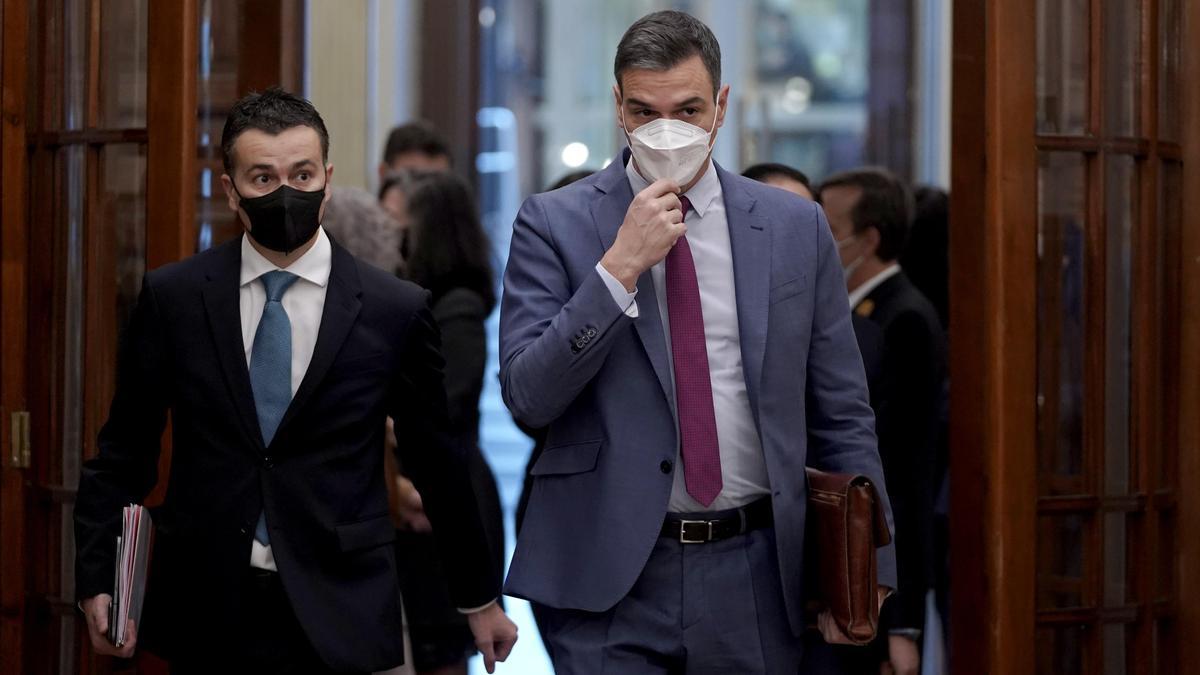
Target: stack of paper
x=133, y=552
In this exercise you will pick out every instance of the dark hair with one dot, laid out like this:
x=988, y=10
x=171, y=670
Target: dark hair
x=662, y=40
x=416, y=136
x=272, y=111
x=886, y=204
x=569, y=178
x=451, y=250
x=403, y=179
x=768, y=170
x=926, y=260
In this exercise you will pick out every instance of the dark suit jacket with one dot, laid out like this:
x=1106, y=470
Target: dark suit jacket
x=870, y=344
x=906, y=397
x=321, y=480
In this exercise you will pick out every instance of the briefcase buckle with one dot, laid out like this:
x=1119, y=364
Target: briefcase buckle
x=701, y=531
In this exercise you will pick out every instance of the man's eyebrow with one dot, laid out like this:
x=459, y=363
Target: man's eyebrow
x=691, y=102
x=258, y=167
x=303, y=163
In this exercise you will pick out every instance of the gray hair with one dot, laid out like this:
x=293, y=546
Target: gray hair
x=356, y=220
x=662, y=40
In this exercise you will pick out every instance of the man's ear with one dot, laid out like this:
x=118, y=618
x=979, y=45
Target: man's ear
x=328, y=191
x=230, y=193
x=617, y=102
x=384, y=169
x=870, y=240
x=722, y=104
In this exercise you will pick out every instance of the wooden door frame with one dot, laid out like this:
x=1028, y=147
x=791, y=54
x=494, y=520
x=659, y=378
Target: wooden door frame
x=171, y=182
x=1188, y=581
x=170, y=185
x=993, y=324
x=449, y=77
x=14, y=249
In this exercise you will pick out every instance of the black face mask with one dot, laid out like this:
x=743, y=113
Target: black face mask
x=284, y=219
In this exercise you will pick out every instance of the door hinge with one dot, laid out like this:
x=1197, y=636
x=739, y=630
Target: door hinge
x=20, y=456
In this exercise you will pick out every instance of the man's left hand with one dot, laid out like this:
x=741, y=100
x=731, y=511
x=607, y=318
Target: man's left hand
x=904, y=657
x=829, y=628
x=495, y=634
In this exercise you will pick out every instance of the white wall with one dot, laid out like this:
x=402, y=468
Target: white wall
x=360, y=72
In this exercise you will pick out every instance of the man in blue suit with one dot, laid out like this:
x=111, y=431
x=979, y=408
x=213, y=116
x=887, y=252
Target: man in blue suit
x=685, y=335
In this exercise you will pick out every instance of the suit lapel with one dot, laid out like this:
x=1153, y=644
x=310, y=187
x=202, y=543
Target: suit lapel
x=342, y=304
x=222, y=304
x=751, y=245
x=608, y=213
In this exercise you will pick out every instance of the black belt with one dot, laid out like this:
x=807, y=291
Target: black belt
x=723, y=525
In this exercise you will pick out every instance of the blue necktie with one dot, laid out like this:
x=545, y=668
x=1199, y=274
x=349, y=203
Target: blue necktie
x=271, y=367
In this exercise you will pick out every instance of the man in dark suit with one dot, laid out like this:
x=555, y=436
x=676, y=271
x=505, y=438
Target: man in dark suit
x=278, y=356
x=683, y=333
x=869, y=211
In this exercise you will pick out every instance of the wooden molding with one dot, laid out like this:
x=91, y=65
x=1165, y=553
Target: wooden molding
x=14, y=250
x=993, y=262
x=1189, y=366
x=171, y=123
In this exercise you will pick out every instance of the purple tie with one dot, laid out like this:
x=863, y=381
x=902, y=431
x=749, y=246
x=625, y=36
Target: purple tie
x=693, y=388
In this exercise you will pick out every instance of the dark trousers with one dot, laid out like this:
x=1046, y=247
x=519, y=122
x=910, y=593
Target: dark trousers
x=697, y=609
x=265, y=638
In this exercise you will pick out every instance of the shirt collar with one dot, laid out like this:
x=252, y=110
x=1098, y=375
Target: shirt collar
x=702, y=195
x=314, y=266
x=860, y=293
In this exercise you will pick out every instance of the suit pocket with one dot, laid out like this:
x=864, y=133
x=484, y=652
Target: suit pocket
x=567, y=459
x=789, y=289
x=369, y=533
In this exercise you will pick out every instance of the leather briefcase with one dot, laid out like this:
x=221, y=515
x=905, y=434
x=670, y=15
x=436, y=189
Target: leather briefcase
x=846, y=523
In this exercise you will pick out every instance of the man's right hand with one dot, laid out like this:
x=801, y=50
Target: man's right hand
x=96, y=611
x=653, y=223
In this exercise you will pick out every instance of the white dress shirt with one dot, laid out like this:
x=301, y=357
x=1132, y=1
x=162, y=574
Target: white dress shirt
x=860, y=293
x=743, y=467
x=304, y=303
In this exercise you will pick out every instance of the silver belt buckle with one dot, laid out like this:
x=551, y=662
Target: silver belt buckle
x=707, y=529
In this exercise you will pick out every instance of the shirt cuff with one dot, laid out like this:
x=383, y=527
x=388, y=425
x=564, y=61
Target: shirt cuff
x=625, y=300
x=476, y=610
x=913, y=634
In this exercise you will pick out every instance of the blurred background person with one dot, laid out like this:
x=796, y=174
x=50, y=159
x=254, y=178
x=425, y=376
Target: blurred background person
x=417, y=146
x=357, y=221
x=448, y=254
x=393, y=196
x=781, y=176
x=926, y=261
x=926, y=258
x=869, y=211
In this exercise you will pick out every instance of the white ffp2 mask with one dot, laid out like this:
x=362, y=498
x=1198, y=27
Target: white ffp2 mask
x=670, y=149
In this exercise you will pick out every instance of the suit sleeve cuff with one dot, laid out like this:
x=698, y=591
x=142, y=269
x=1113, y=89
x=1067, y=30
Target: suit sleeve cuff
x=625, y=300
x=476, y=610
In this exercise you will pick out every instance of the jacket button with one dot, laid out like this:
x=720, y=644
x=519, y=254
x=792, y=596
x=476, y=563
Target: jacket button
x=268, y=462
x=665, y=467
x=591, y=332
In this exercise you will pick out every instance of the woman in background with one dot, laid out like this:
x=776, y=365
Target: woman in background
x=447, y=252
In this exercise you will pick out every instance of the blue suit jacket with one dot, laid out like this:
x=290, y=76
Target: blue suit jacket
x=573, y=361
